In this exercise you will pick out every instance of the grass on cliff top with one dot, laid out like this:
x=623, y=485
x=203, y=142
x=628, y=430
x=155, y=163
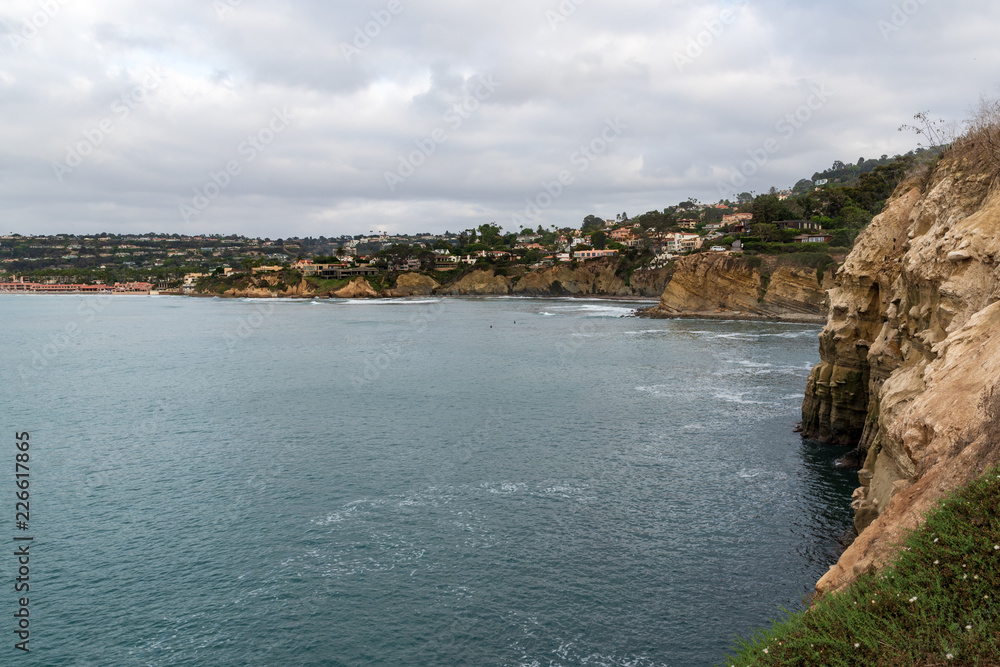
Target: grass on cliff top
x=938, y=603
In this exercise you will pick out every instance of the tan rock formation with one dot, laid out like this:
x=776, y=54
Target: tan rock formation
x=481, y=282
x=911, y=355
x=356, y=289
x=267, y=287
x=599, y=277
x=726, y=285
x=793, y=289
x=412, y=284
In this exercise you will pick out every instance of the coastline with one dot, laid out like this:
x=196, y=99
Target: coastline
x=640, y=312
x=729, y=315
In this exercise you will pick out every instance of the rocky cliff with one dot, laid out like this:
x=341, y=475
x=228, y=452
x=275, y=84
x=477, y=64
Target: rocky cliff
x=591, y=278
x=594, y=278
x=911, y=354
x=480, y=281
x=413, y=284
x=269, y=286
x=724, y=285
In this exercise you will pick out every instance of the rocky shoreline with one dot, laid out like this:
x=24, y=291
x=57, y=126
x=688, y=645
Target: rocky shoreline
x=910, y=366
x=704, y=286
x=728, y=286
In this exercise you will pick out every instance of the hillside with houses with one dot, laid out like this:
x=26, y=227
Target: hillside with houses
x=812, y=225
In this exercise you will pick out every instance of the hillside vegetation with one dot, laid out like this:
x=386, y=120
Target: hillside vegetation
x=937, y=604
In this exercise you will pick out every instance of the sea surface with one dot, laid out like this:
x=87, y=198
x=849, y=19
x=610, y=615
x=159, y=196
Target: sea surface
x=406, y=482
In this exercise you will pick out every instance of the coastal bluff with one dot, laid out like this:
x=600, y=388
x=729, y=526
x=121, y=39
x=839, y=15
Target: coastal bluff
x=600, y=277
x=910, y=355
x=728, y=286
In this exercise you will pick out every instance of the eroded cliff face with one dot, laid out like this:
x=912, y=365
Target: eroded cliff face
x=359, y=288
x=480, y=281
x=726, y=285
x=593, y=278
x=268, y=287
x=413, y=284
x=911, y=355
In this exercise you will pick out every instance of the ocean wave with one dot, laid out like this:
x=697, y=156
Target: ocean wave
x=658, y=390
x=737, y=397
x=763, y=368
x=380, y=302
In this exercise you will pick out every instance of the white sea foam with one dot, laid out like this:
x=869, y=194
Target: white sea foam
x=597, y=310
x=658, y=390
x=737, y=397
x=385, y=302
x=504, y=488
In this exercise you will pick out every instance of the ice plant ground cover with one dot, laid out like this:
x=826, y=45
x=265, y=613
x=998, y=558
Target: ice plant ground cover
x=938, y=603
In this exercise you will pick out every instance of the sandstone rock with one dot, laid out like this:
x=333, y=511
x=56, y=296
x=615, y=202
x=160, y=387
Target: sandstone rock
x=480, y=281
x=412, y=284
x=598, y=277
x=356, y=289
x=724, y=284
x=921, y=400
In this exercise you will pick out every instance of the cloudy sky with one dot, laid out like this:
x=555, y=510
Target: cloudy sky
x=309, y=118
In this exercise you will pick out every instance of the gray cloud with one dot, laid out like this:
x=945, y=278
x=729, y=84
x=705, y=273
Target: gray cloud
x=697, y=86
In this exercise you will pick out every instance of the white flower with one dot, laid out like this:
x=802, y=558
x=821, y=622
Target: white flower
x=968, y=627
x=766, y=651
x=949, y=656
x=857, y=645
x=935, y=540
x=913, y=599
x=936, y=562
x=996, y=547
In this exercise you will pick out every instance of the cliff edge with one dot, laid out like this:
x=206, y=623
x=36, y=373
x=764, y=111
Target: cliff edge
x=724, y=285
x=911, y=354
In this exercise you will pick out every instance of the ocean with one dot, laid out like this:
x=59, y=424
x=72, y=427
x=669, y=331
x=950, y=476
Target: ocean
x=493, y=481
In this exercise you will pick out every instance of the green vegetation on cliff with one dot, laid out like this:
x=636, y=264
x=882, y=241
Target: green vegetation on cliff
x=936, y=604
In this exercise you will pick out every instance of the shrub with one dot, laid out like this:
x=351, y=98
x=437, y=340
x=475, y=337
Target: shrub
x=934, y=605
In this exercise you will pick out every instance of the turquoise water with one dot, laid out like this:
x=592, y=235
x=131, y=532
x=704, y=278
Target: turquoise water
x=422, y=482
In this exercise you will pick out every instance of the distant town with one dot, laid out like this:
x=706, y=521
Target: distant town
x=821, y=215
x=67, y=263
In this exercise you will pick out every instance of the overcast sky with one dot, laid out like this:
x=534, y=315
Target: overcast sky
x=309, y=118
